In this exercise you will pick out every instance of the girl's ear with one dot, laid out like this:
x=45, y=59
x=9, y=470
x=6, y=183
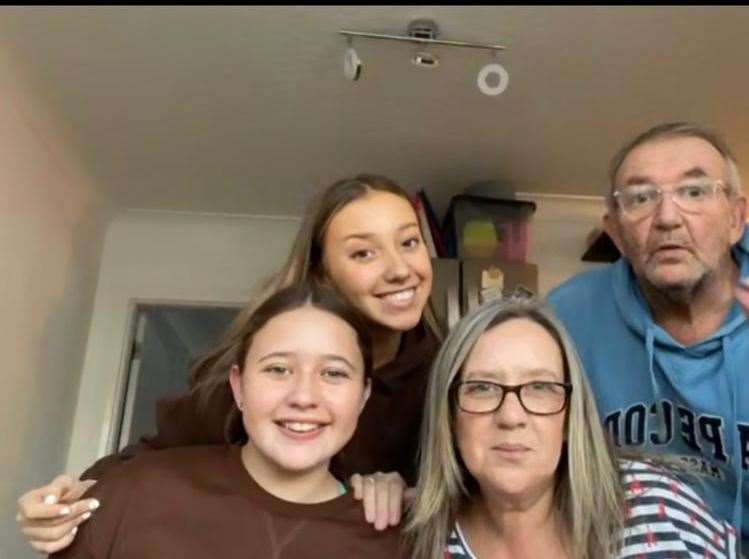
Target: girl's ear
x=366, y=393
x=321, y=275
x=235, y=380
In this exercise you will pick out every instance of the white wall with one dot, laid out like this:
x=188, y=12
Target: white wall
x=51, y=232
x=558, y=235
x=195, y=257
x=165, y=256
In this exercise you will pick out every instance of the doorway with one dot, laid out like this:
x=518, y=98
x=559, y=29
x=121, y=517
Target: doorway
x=167, y=339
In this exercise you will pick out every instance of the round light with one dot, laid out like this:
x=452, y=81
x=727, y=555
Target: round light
x=351, y=64
x=490, y=70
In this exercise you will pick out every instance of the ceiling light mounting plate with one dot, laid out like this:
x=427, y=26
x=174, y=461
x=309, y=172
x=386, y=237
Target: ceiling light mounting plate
x=420, y=31
x=423, y=29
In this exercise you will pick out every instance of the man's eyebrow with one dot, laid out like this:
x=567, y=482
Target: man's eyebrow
x=638, y=179
x=693, y=173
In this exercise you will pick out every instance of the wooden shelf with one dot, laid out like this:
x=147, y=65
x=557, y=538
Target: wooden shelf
x=457, y=283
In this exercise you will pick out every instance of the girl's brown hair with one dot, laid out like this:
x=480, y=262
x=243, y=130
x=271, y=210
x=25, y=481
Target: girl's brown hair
x=304, y=264
x=233, y=349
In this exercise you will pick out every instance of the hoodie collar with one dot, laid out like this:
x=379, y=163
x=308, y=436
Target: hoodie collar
x=635, y=311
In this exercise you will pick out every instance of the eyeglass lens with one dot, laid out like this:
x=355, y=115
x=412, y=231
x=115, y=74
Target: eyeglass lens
x=642, y=199
x=535, y=397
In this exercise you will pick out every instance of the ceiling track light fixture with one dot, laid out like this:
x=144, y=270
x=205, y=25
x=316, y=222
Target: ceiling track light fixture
x=424, y=32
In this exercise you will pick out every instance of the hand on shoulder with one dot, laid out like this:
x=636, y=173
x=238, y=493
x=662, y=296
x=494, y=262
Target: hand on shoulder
x=49, y=516
x=383, y=496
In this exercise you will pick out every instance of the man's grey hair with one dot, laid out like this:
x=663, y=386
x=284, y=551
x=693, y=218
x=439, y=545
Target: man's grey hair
x=676, y=130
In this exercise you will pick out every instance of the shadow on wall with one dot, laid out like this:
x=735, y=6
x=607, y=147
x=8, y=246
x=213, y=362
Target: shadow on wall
x=48, y=310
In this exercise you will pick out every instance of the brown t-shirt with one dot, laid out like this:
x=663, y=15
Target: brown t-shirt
x=386, y=438
x=198, y=502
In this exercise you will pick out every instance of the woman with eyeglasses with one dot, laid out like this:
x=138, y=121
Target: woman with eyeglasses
x=515, y=463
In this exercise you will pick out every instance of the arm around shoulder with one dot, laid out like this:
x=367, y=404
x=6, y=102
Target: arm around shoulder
x=101, y=536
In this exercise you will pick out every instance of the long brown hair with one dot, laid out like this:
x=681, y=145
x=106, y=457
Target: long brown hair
x=233, y=350
x=303, y=265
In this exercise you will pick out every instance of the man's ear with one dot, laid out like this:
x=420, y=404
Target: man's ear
x=235, y=380
x=738, y=218
x=610, y=224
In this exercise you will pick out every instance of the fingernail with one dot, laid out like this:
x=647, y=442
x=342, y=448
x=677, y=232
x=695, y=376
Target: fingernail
x=50, y=500
x=94, y=504
x=86, y=516
x=74, y=530
x=64, y=511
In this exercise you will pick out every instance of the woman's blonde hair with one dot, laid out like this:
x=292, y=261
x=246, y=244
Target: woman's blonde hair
x=589, y=499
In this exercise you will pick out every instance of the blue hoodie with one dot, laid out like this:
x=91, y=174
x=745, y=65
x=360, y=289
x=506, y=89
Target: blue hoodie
x=657, y=395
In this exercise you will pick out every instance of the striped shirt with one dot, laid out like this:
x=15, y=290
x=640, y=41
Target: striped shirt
x=665, y=519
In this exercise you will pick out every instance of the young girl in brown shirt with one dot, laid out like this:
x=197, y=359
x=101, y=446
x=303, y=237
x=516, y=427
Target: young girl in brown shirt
x=361, y=237
x=300, y=377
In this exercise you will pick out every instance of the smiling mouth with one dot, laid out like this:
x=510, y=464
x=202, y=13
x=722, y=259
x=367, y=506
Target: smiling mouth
x=301, y=427
x=400, y=298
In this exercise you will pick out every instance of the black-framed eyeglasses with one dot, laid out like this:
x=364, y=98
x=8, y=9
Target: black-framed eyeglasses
x=536, y=397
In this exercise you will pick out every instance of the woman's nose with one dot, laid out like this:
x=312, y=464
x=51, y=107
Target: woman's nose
x=397, y=267
x=511, y=413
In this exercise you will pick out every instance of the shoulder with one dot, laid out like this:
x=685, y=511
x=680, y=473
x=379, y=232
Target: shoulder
x=595, y=279
x=181, y=458
x=147, y=481
x=660, y=507
x=585, y=302
x=642, y=479
x=163, y=468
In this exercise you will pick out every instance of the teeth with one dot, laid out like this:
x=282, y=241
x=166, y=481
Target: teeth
x=300, y=427
x=401, y=296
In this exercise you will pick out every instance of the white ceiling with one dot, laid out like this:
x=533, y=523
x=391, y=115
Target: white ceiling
x=246, y=109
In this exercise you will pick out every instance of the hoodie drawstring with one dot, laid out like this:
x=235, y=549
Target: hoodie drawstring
x=738, y=517
x=650, y=349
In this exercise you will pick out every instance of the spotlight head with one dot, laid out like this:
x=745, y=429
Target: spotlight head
x=493, y=71
x=352, y=64
x=426, y=60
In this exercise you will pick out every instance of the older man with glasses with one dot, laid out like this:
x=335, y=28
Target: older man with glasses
x=661, y=332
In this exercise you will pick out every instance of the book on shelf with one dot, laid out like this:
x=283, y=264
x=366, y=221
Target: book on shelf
x=426, y=230
x=434, y=227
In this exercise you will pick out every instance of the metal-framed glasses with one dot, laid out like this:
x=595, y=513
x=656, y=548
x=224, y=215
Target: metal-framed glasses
x=691, y=196
x=536, y=397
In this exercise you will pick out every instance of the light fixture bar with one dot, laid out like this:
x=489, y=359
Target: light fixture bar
x=419, y=40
